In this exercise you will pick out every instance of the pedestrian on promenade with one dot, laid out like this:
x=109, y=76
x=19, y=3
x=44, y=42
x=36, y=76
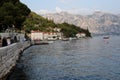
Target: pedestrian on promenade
x=4, y=42
x=8, y=41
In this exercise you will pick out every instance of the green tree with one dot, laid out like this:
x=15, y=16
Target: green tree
x=12, y=12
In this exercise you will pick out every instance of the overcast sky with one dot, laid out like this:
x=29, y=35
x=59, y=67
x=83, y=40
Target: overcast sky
x=73, y=6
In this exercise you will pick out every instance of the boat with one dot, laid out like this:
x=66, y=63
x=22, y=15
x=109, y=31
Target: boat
x=40, y=42
x=106, y=37
x=65, y=39
x=72, y=38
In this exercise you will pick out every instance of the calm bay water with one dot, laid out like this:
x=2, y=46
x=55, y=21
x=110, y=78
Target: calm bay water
x=84, y=59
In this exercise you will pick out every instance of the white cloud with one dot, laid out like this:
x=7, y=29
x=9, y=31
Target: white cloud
x=43, y=11
x=58, y=9
x=62, y=1
x=67, y=1
x=82, y=11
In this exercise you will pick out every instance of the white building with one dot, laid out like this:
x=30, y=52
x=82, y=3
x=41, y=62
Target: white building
x=80, y=35
x=38, y=35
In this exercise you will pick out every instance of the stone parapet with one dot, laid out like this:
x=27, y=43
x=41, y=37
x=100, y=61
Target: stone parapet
x=9, y=55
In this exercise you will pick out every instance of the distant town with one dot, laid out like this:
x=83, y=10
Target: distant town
x=19, y=24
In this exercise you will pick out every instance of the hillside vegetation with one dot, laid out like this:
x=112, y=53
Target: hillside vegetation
x=36, y=22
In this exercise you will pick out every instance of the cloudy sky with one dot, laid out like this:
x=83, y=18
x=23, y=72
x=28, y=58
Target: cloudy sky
x=73, y=6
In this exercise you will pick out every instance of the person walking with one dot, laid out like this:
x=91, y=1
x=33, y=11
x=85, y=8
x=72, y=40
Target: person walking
x=4, y=42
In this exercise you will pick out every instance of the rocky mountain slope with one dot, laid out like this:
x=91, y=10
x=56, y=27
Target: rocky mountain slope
x=98, y=22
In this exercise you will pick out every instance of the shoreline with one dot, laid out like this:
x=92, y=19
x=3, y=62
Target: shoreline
x=19, y=52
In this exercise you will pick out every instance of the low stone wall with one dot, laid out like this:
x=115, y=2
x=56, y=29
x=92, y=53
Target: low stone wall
x=9, y=55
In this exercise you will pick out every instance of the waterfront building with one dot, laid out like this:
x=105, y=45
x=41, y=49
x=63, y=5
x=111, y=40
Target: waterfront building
x=38, y=35
x=80, y=35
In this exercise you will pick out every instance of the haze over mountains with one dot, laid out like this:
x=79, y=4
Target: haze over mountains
x=98, y=22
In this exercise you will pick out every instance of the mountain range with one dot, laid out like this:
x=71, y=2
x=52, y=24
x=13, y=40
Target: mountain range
x=98, y=22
